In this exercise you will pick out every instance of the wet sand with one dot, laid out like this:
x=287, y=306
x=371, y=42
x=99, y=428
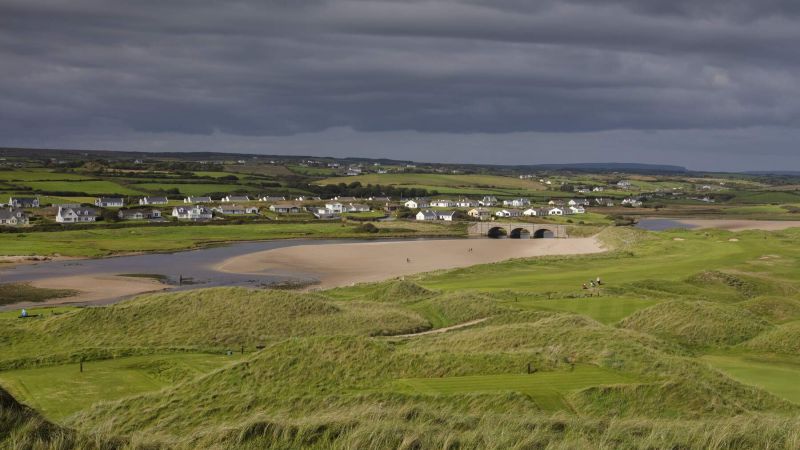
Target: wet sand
x=93, y=289
x=345, y=264
x=741, y=224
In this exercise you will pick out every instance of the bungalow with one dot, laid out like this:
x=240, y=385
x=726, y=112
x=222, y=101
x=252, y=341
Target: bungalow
x=305, y=198
x=138, y=214
x=417, y=203
x=109, y=202
x=194, y=200
x=479, y=213
x=578, y=202
x=23, y=202
x=426, y=215
x=356, y=207
x=75, y=215
x=192, y=212
x=624, y=184
x=443, y=203
x=271, y=199
x=559, y=203
x=234, y=210
x=235, y=198
x=448, y=216
x=13, y=217
x=153, y=201
x=555, y=212
x=345, y=199
x=508, y=213
x=324, y=214
x=488, y=200
x=632, y=202
x=577, y=209
x=285, y=208
x=466, y=203
x=380, y=199
x=517, y=202
x=534, y=212
x=598, y=189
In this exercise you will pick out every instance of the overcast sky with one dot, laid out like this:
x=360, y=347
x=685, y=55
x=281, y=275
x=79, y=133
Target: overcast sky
x=709, y=84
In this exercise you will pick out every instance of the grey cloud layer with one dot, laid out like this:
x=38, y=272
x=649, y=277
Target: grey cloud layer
x=279, y=68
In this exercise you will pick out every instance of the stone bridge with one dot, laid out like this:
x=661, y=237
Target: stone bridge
x=518, y=230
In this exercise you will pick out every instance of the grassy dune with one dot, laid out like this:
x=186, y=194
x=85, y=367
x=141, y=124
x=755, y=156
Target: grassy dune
x=689, y=343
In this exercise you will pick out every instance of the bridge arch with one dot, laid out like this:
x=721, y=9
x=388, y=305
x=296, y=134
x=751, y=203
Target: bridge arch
x=520, y=233
x=497, y=232
x=543, y=233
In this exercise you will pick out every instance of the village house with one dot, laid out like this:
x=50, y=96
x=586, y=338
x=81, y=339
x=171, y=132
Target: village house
x=76, y=214
x=355, y=207
x=517, y=202
x=235, y=198
x=535, y=212
x=578, y=202
x=559, y=203
x=334, y=207
x=153, y=201
x=24, y=202
x=624, y=184
x=488, y=200
x=632, y=202
x=443, y=203
x=195, y=212
x=109, y=202
x=448, y=216
x=345, y=199
x=285, y=208
x=139, y=214
x=598, y=189
x=235, y=210
x=426, y=215
x=13, y=217
x=271, y=199
x=306, y=198
x=556, y=211
x=508, y=213
x=380, y=199
x=195, y=200
x=323, y=214
x=577, y=209
x=417, y=203
x=480, y=213
x=466, y=203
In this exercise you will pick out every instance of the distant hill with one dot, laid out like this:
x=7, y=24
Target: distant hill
x=618, y=167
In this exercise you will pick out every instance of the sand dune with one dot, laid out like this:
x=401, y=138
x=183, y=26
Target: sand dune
x=742, y=224
x=344, y=264
x=95, y=288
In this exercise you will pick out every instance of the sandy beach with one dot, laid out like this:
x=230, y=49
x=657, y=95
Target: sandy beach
x=741, y=224
x=344, y=264
x=93, y=289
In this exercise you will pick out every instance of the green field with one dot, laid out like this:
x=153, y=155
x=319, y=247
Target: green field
x=63, y=390
x=102, y=242
x=778, y=375
x=438, y=180
x=193, y=188
x=38, y=175
x=546, y=388
x=88, y=187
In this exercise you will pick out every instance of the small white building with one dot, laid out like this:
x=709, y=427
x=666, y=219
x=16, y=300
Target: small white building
x=271, y=199
x=508, y=213
x=479, y=213
x=517, y=203
x=139, y=214
x=443, y=203
x=555, y=212
x=153, y=201
x=488, y=200
x=447, y=216
x=13, y=217
x=109, y=202
x=426, y=215
x=195, y=212
x=417, y=203
x=194, y=200
x=577, y=209
x=466, y=203
x=235, y=198
x=285, y=208
x=75, y=215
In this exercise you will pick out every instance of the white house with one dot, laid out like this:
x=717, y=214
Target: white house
x=598, y=189
x=285, y=208
x=235, y=210
x=577, y=209
x=235, y=198
x=443, y=203
x=531, y=212
x=194, y=200
x=109, y=202
x=517, y=202
x=447, y=216
x=466, y=203
x=334, y=207
x=426, y=215
x=271, y=199
x=479, y=213
x=139, y=214
x=632, y=202
x=13, y=217
x=417, y=203
x=488, y=200
x=555, y=212
x=192, y=213
x=624, y=184
x=508, y=213
x=75, y=215
x=153, y=201
x=355, y=207
x=24, y=202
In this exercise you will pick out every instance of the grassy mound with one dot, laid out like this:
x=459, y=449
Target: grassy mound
x=782, y=339
x=697, y=323
x=11, y=293
x=774, y=309
x=398, y=291
x=454, y=308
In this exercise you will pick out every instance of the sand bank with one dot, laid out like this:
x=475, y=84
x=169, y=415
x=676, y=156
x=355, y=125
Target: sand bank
x=94, y=289
x=344, y=264
x=741, y=224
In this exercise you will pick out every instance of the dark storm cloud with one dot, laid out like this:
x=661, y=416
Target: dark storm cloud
x=281, y=68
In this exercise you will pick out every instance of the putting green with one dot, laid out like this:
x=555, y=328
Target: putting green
x=546, y=388
x=778, y=375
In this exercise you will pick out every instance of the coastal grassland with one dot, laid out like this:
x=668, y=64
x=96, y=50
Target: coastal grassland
x=438, y=180
x=102, y=242
x=91, y=187
x=60, y=391
x=11, y=293
x=613, y=367
x=39, y=175
x=193, y=188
